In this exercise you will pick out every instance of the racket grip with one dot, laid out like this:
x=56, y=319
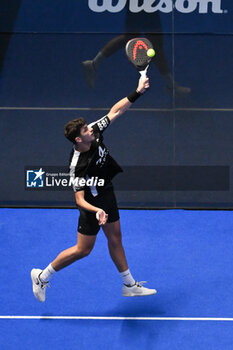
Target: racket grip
x=143, y=73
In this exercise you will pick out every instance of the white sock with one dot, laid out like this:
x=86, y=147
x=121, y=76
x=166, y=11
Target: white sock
x=127, y=278
x=47, y=273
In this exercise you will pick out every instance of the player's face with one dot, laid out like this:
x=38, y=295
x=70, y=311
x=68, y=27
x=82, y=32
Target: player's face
x=87, y=134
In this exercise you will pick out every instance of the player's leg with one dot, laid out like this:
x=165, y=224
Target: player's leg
x=116, y=44
x=131, y=287
x=90, y=67
x=40, y=278
x=82, y=249
x=113, y=233
x=160, y=61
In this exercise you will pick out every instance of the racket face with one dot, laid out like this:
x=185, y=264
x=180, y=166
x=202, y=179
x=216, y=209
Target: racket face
x=136, y=51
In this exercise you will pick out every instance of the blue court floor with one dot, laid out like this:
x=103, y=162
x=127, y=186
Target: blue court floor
x=186, y=255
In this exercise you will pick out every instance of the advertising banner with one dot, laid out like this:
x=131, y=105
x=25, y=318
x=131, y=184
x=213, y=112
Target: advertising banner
x=117, y=16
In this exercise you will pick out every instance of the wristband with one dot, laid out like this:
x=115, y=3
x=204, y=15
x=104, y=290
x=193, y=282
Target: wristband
x=134, y=96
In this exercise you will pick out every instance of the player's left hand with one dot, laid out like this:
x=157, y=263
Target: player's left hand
x=102, y=217
x=143, y=85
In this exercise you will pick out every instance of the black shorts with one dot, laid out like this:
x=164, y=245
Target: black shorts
x=88, y=224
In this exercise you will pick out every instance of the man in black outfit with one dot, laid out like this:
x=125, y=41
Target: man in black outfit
x=97, y=204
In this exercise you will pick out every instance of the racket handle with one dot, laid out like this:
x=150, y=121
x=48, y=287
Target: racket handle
x=143, y=73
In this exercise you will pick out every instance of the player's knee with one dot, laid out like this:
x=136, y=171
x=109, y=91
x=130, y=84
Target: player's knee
x=84, y=251
x=115, y=239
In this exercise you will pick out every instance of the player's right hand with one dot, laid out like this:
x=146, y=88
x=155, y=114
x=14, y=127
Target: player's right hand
x=102, y=217
x=143, y=84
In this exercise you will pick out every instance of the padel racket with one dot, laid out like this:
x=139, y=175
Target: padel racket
x=136, y=51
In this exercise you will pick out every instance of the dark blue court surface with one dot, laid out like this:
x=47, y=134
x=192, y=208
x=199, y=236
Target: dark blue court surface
x=186, y=255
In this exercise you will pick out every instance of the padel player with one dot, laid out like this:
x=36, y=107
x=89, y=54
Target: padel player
x=97, y=205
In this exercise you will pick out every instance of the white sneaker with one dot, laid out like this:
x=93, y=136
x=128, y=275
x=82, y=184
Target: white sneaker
x=38, y=287
x=137, y=290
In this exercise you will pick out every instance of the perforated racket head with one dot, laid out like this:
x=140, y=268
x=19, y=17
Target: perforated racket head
x=136, y=51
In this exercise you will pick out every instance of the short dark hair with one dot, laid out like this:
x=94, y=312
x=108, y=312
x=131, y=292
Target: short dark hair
x=73, y=128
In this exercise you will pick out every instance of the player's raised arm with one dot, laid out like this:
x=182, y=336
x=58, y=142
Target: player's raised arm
x=123, y=105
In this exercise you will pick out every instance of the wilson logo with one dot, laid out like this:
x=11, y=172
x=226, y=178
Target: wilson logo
x=149, y=6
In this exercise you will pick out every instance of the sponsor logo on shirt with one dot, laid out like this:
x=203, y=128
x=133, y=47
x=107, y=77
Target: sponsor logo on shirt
x=102, y=124
x=103, y=152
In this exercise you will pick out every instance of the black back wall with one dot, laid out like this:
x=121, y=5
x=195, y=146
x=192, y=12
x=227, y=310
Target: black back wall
x=176, y=149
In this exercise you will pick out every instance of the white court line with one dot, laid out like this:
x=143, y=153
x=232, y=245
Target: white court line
x=116, y=318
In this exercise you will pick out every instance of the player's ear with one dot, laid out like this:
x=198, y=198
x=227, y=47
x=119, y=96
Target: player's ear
x=78, y=139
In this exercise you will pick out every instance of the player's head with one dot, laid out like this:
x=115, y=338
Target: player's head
x=77, y=131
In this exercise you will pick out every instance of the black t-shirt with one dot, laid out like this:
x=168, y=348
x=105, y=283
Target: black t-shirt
x=92, y=171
